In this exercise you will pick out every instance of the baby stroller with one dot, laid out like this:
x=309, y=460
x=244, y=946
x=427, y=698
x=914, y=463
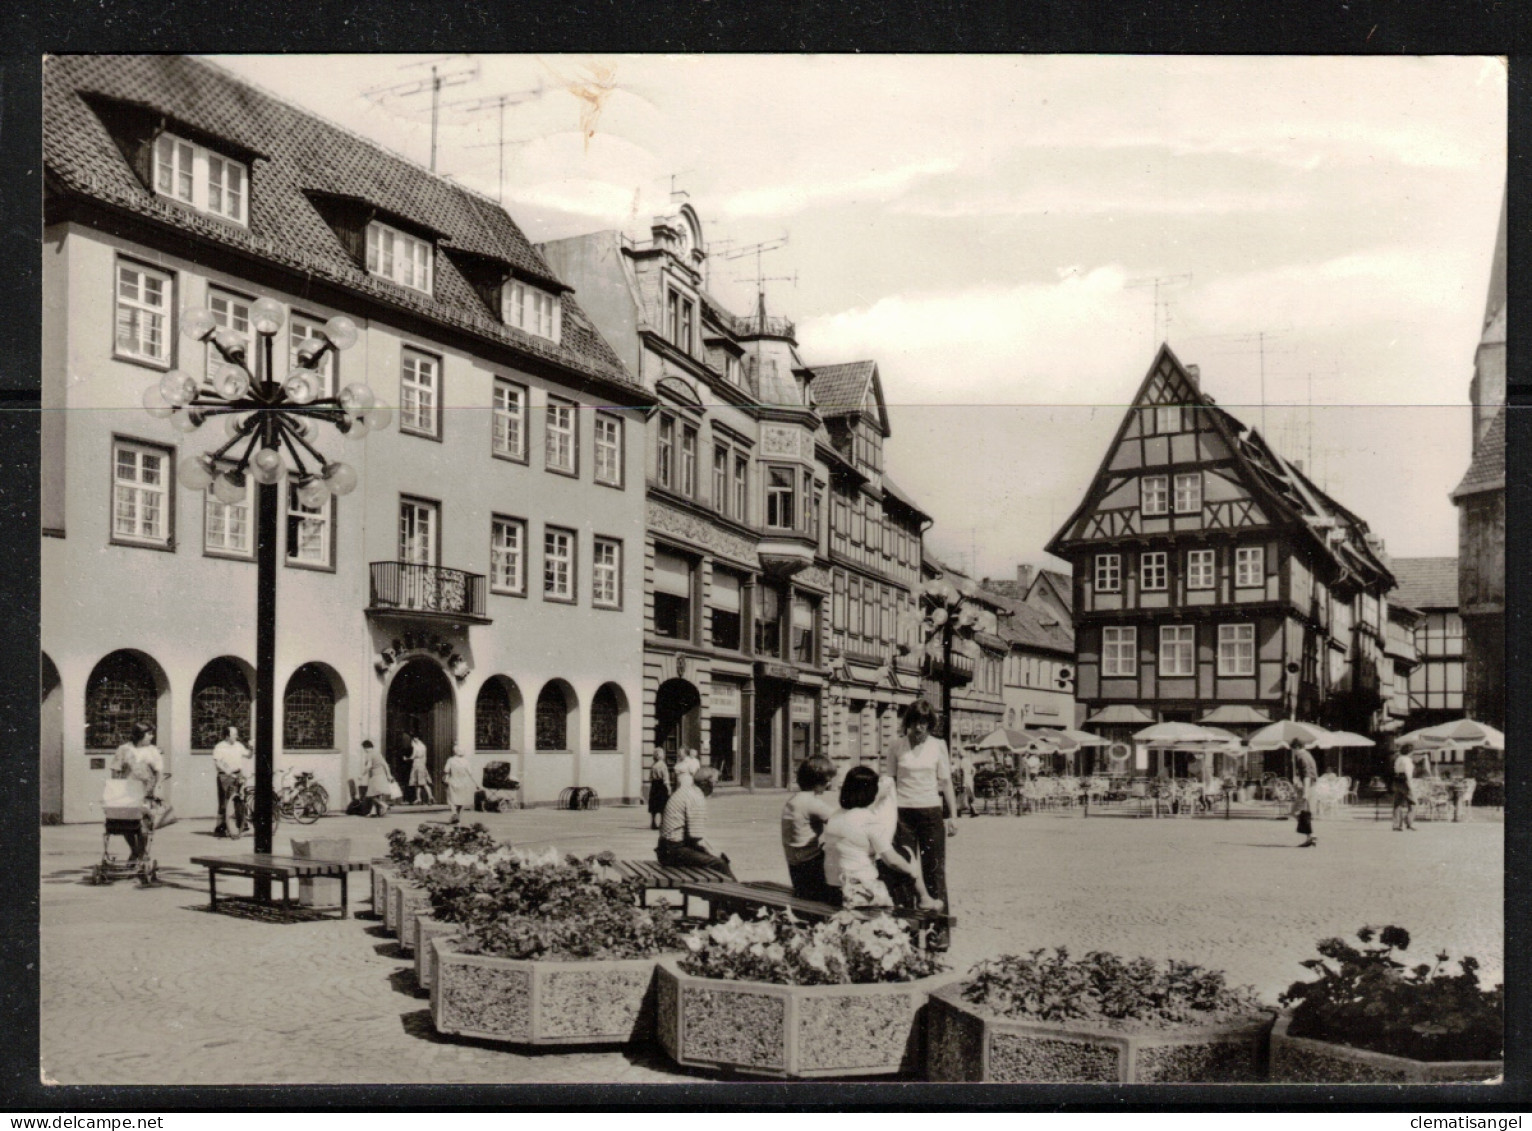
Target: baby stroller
x=132, y=820
x=501, y=793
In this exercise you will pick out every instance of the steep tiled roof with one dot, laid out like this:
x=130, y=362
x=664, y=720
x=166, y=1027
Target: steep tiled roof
x=1062, y=583
x=1426, y=583
x=903, y=496
x=298, y=154
x=1029, y=628
x=839, y=389
x=1487, y=471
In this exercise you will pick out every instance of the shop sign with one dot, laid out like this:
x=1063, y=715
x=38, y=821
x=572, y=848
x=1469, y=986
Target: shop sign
x=803, y=708
x=724, y=699
x=766, y=669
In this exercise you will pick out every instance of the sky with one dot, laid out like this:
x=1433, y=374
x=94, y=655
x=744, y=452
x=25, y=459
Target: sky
x=990, y=230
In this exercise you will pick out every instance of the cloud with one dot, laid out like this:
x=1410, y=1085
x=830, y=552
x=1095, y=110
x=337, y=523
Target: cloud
x=787, y=197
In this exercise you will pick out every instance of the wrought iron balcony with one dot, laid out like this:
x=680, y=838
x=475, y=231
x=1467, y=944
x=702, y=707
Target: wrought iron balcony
x=405, y=588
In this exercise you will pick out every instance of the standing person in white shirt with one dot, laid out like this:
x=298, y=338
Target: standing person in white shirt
x=1404, y=798
x=922, y=782
x=231, y=760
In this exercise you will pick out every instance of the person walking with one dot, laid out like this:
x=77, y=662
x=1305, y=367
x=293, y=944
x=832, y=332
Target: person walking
x=1305, y=779
x=803, y=819
x=138, y=766
x=420, y=771
x=683, y=830
x=922, y=772
x=377, y=778
x=659, y=788
x=1402, y=788
x=461, y=787
x=233, y=762
x=962, y=782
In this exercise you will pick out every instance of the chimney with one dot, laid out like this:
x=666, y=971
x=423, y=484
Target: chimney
x=1297, y=463
x=1195, y=373
x=1023, y=576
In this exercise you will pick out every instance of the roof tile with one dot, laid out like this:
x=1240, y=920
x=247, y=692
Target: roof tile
x=1487, y=471
x=1425, y=583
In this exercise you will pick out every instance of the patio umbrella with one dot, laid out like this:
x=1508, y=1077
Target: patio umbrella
x=1282, y=733
x=1083, y=737
x=1465, y=734
x=1175, y=734
x=1339, y=740
x=1008, y=738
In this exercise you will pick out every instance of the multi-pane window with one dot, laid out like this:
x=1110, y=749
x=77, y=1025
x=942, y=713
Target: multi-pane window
x=1249, y=566
x=232, y=312
x=1189, y=493
x=805, y=629
x=742, y=488
x=1176, y=649
x=552, y=720
x=606, y=573
x=725, y=611
x=1167, y=418
x=1154, y=495
x=1199, y=569
x=309, y=530
x=201, y=178
x=419, y=524
x=1119, y=651
x=308, y=711
x=510, y=425
x=1108, y=573
x=306, y=335
x=1154, y=570
x=768, y=619
x=665, y=452
x=1236, y=649
x=420, y=394
x=143, y=313
x=492, y=717
x=779, y=498
x=558, y=564
x=226, y=526
x=508, y=556
x=605, y=716
x=141, y=493
x=608, y=449
x=531, y=309
x=393, y=255
x=687, y=483
x=560, y=451
x=721, y=478
x=220, y=700
x=119, y=693
x=682, y=315
x=673, y=594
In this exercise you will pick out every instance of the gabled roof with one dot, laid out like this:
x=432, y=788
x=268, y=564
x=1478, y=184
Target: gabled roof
x=1425, y=583
x=1487, y=471
x=840, y=390
x=1061, y=585
x=298, y=153
x=1026, y=626
x=903, y=497
x=1289, y=496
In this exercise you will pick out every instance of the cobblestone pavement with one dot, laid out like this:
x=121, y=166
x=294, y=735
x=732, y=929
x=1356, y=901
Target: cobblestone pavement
x=146, y=986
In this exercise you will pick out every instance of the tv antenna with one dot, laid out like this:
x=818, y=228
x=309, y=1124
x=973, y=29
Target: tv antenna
x=498, y=102
x=758, y=250
x=1260, y=339
x=442, y=75
x=1158, y=283
x=678, y=192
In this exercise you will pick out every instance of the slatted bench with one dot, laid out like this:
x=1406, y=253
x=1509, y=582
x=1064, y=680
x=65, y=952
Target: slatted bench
x=665, y=877
x=731, y=898
x=271, y=867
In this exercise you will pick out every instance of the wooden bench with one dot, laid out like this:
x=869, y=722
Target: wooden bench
x=665, y=877
x=285, y=868
x=730, y=898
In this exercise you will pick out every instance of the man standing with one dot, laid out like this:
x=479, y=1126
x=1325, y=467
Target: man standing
x=1403, y=790
x=420, y=771
x=1305, y=778
x=683, y=828
x=232, y=761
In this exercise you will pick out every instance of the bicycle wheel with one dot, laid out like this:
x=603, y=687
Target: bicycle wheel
x=306, y=810
x=317, y=800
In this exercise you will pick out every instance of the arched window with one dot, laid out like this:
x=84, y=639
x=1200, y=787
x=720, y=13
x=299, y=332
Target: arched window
x=492, y=717
x=308, y=711
x=604, y=711
x=220, y=699
x=119, y=693
x=552, y=719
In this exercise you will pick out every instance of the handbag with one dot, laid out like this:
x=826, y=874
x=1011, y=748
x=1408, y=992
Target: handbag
x=1305, y=823
x=394, y=792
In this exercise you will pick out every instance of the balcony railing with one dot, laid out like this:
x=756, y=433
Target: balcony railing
x=406, y=587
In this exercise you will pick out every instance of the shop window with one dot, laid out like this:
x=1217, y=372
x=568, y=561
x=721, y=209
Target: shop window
x=673, y=594
x=725, y=611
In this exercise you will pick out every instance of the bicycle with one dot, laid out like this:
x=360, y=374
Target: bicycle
x=244, y=809
x=304, y=800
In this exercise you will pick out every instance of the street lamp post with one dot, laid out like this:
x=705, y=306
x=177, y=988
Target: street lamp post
x=269, y=423
x=949, y=613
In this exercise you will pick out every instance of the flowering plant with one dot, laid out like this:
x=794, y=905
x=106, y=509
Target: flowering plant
x=1105, y=989
x=432, y=838
x=778, y=948
x=1371, y=1000
x=518, y=904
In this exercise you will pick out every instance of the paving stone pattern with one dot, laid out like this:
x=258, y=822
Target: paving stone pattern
x=147, y=986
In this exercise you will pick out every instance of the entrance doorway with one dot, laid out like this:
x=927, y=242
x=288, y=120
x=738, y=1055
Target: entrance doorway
x=677, y=718
x=420, y=702
x=768, y=762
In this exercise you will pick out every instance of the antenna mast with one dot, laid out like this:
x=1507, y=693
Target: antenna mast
x=1157, y=283
x=441, y=76
x=498, y=102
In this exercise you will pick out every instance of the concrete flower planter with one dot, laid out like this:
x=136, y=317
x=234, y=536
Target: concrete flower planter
x=1303, y=1060
x=538, y=1002
x=792, y=1031
x=383, y=869
x=965, y=1044
x=405, y=898
x=426, y=929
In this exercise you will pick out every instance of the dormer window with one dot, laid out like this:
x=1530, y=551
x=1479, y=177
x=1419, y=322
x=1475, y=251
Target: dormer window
x=404, y=259
x=531, y=309
x=195, y=175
